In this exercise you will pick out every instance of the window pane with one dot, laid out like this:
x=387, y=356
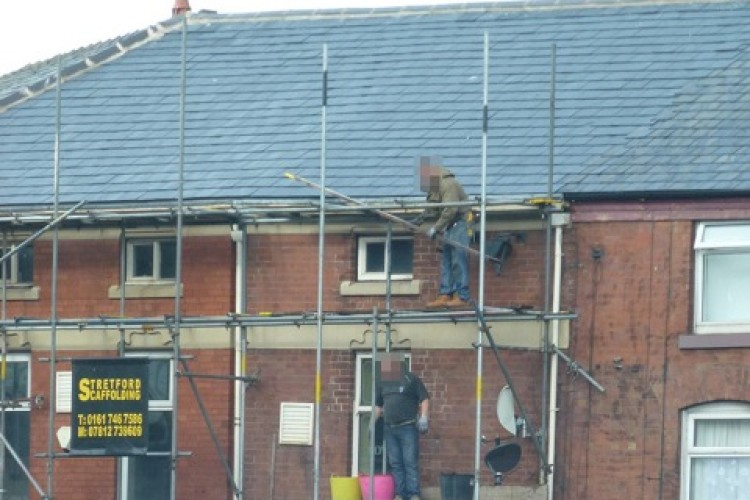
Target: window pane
x=168, y=267
x=720, y=477
x=729, y=433
x=148, y=478
x=159, y=431
x=143, y=260
x=726, y=289
x=5, y=265
x=16, y=381
x=26, y=264
x=159, y=379
x=375, y=257
x=402, y=256
x=364, y=444
x=15, y=482
x=726, y=234
x=365, y=388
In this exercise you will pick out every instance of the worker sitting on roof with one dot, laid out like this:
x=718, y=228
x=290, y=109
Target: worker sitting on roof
x=441, y=186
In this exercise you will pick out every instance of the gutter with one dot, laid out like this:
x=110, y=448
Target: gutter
x=655, y=195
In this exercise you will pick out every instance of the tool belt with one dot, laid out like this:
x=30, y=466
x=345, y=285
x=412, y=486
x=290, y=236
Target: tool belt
x=406, y=422
x=468, y=217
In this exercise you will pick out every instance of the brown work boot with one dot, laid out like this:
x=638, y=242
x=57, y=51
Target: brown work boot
x=459, y=303
x=441, y=301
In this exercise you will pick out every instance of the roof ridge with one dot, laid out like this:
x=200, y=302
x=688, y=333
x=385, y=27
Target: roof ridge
x=447, y=8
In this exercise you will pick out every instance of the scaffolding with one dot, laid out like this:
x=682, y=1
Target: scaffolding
x=242, y=213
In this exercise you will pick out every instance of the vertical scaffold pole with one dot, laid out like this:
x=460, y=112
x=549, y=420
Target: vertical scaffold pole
x=53, y=288
x=4, y=365
x=178, y=266
x=321, y=254
x=480, y=289
x=556, y=284
x=547, y=274
x=373, y=399
x=388, y=333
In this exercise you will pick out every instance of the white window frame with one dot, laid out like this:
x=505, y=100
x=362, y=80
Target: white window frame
x=704, y=249
x=153, y=405
x=155, y=243
x=362, y=274
x=359, y=409
x=707, y=411
x=25, y=404
x=12, y=267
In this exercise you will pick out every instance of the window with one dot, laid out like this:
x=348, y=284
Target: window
x=362, y=416
x=151, y=260
x=149, y=477
x=373, y=257
x=20, y=267
x=15, y=423
x=716, y=452
x=722, y=272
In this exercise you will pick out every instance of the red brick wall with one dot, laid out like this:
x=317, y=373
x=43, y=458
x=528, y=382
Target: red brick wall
x=87, y=268
x=450, y=377
x=283, y=274
x=634, y=303
x=283, y=278
x=199, y=475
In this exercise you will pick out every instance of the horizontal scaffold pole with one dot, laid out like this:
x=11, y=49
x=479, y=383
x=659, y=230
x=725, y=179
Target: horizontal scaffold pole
x=282, y=319
x=37, y=234
x=385, y=215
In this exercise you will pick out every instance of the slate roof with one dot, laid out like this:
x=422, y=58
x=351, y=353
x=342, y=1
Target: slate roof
x=649, y=97
x=700, y=144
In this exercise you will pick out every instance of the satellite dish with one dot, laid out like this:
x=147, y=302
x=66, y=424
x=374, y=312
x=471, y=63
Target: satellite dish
x=501, y=459
x=506, y=411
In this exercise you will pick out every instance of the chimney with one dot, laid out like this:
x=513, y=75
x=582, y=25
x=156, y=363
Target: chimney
x=180, y=7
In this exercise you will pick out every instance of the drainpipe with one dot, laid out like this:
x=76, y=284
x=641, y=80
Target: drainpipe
x=239, y=237
x=558, y=220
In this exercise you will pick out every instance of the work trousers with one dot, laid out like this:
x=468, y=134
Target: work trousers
x=454, y=266
x=402, y=443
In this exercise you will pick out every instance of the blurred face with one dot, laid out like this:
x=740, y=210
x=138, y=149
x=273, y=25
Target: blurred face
x=390, y=368
x=429, y=178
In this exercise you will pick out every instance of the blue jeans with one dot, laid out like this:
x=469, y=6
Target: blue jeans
x=454, y=266
x=402, y=443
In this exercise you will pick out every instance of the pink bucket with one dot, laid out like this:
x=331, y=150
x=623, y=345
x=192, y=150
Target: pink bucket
x=384, y=487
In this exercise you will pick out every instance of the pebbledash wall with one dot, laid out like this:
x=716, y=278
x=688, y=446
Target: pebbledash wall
x=634, y=267
x=282, y=269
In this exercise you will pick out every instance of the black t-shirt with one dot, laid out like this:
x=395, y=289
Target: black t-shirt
x=400, y=400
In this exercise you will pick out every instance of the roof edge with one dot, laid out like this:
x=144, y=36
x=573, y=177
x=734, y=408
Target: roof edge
x=694, y=194
x=448, y=8
x=112, y=49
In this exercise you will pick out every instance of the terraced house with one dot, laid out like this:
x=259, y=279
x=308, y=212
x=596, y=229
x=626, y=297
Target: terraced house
x=216, y=202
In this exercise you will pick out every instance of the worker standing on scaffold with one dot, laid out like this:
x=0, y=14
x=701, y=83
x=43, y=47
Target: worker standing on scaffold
x=441, y=186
